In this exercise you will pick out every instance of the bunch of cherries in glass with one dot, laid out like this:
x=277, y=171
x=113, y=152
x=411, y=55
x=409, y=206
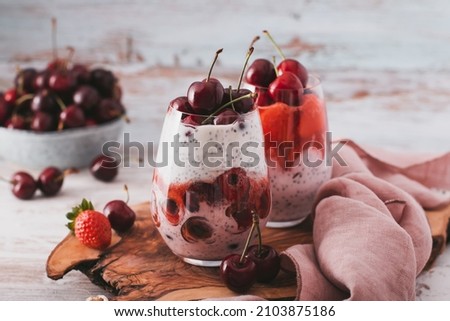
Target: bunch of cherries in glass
x=62, y=96
x=286, y=83
x=208, y=102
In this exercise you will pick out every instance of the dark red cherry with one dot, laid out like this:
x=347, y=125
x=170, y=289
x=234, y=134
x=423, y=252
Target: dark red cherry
x=234, y=184
x=24, y=185
x=5, y=110
x=10, y=96
x=267, y=262
x=296, y=68
x=225, y=117
x=16, y=122
x=287, y=88
x=43, y=122
x=196, y=228
x=80, y=73
x=41, y=80
x=260, y=73
x=104, y=168
x=24, y=80
x=172, y=211
x=61, y=81
x=107, y=110
x=50, y=181
x=45, y=101
x=90, y=122
x=263, y=97
x=120, y=215
x=238, y=276
x=72, y=117
x=201, y=192
x=104, y=81
x=181, y=104
x=242, y=215
x=205, y=96
x=241, y=106
x=196, y=120
x=86, y=97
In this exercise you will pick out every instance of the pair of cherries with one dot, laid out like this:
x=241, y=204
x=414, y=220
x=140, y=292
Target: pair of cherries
x=285, y=83
x=257, y=263
x=49, y=182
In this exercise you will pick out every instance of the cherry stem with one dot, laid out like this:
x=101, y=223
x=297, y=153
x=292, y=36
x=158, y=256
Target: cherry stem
x=258, y=230
x=70, y=54
x=54, y=46
x=255, y=224
x=251, y=95
x=6, y=180
x=274, y=44
x=23, y=98
x=274, y=63
x=126, y=118
x=67, y=172
x=254, y=41
x=213, y=63
x=247, y=57
x=125, y=187
x=60, y=102
x=231, y=97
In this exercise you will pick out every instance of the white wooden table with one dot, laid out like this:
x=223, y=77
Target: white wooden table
x=384, y=66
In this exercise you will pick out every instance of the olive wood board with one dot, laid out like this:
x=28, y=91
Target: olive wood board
x=139, y=266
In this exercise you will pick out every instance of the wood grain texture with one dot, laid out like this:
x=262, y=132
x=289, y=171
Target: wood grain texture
x=139, y=266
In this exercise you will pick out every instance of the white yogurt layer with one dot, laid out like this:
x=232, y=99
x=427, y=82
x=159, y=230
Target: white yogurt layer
x=214, y=149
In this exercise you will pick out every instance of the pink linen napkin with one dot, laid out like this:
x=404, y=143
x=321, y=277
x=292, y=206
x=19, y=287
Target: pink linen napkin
x=371, y=236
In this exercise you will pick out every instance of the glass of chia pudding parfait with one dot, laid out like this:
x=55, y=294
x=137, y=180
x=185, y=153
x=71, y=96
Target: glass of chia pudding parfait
x=295, y=127
x=213, y=175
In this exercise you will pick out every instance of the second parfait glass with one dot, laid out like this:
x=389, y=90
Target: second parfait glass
x=295, y=128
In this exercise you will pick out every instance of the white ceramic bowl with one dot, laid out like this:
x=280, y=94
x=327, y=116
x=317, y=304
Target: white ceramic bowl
x=66, y=149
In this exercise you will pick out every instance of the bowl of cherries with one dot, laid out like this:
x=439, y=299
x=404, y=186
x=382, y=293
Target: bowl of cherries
x=61, y=115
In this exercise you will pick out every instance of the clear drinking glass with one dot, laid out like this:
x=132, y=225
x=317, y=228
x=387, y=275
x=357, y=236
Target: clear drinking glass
x=295, y=145
x=210, y=180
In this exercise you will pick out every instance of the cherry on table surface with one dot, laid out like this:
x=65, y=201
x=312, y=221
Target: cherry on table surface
x=104, y=168
x=24, y=185
x=238, y=275
x=10, y=96
x=267, y=262
x=50, y=181
x=119, y=214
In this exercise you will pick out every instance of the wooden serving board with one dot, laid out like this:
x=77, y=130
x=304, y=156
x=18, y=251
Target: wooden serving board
x=139, y=266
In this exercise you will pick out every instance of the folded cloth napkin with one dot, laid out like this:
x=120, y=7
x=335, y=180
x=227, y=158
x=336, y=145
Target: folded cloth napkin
x=371, y=236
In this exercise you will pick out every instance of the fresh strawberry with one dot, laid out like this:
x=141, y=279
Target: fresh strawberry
x=92, y=228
